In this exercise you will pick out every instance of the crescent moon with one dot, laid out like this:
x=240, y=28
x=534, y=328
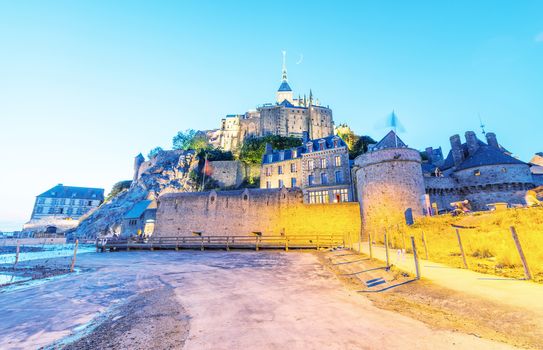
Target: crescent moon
x=300, y=59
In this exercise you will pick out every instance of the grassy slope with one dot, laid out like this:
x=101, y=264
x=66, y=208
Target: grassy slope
x=487, y=241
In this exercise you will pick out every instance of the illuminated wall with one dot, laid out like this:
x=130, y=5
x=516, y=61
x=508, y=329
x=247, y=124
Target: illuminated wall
x=273, y=212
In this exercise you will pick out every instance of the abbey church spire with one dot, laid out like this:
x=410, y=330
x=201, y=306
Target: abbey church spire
x=284, y=92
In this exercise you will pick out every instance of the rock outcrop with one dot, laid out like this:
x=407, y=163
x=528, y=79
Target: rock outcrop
x=167, y=172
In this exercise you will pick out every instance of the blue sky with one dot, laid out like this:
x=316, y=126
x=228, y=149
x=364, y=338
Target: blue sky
x=87, y=85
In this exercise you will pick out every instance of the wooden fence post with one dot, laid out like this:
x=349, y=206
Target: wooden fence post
x=16, y=254
x=286, y=243
x=416, y=257
x=370, y=245
x=461, y=249
x=386, y=248
x=227, y=246
x=256, y=244
x=202, y=246
x=521, y=253
x=403, y=238
x=425, y=245
x=73, y=258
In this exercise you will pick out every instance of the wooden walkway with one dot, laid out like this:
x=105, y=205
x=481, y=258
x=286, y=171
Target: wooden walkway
x=224, y=242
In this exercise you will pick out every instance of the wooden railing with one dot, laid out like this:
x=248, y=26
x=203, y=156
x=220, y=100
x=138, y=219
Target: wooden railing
x=225, y=242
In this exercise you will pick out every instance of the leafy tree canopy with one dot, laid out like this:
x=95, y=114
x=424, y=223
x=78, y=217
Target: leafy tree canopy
x=357, y=144
x=253, y=148
x=154, y=152
x=190, y=139
x=118, y=188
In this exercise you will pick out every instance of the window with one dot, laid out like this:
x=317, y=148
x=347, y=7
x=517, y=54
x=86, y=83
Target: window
x=39, y=210
x=61, y=210
x=54, y=201
x=311, y=164
x=62, y=201
x=89, y=203
x=310, y=180
x=339, y=177
x=280, y=169
x=316, y=197
x=341, y=195
x=81, y=202
x=51, y=210
x=41, y=200
x=79, y=211
x=270, y=158
x=338, y=160
x=268, y=171
x=133, y=222
x=281, y=184
x=69, y=211
x=292, y=167
x=324, y=178
x=72, y=201
x=293, y=182
x=323, y=163
x=294, y=153
x=268, y=184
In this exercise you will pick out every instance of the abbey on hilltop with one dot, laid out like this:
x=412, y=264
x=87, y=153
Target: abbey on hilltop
x=288, y=116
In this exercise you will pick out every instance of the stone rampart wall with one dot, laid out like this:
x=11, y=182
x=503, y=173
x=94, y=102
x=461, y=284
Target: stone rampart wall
x=272, y=212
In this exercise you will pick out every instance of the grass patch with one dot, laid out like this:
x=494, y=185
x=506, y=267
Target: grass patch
x=486, y=238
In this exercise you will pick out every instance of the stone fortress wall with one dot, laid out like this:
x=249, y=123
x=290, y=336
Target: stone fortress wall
x=275, y=212
x=389, y=182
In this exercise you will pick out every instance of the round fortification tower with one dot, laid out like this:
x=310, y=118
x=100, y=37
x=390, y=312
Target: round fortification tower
x=389, y=185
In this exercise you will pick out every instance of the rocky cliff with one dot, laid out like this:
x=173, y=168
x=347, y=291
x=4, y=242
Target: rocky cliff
x=167, y=172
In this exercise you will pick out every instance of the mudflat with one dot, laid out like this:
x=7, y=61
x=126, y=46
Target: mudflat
x=212, y=299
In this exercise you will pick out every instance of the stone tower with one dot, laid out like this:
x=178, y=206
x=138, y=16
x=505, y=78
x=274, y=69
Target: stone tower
x=138, y=160
x=389, y=184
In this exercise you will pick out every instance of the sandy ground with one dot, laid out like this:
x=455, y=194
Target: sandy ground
x=437, y=306
x=209, y=300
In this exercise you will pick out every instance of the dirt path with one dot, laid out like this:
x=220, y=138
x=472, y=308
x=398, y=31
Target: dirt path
x=438, y=307
x=235, y=300
x=515, y=293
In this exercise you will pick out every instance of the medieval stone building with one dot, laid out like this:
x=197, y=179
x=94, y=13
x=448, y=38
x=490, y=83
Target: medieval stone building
x=320, y=167
x=482, y=173
x=288, y=116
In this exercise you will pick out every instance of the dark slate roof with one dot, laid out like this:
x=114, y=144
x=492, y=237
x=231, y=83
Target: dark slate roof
x=284, y=87
x=497, y=156
x=286, y=103
x=61, y=191
x=391, y=140
x=428, y=168
x=138, y=209
x=487, y=155
x=288, y=153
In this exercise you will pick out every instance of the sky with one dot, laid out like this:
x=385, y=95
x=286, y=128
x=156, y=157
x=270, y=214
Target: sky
x=87, y=85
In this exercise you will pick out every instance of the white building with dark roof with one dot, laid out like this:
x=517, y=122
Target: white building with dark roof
x=320, y=167
x=66, y=202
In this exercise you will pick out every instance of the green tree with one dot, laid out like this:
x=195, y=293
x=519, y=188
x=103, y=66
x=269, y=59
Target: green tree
x=154, y=152
x=190, y=139
x=360, y=146
x=118, y=188
x=253, y=148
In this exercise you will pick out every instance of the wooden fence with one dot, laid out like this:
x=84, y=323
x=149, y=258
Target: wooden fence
x=225, y=242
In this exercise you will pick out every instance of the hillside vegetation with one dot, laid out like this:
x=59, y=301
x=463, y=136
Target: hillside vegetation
x=486, y=238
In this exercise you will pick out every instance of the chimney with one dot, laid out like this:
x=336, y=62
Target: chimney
x=430, y=154
x=456, y=149
x=268, y=148
x=491, y=140
x=471, y=142
x=305, y=136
